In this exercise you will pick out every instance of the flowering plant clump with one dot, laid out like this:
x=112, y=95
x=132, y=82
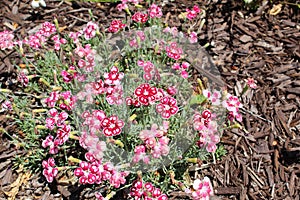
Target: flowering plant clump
x=131, y=109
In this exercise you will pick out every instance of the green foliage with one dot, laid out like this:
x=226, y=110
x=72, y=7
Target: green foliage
x=220, y=152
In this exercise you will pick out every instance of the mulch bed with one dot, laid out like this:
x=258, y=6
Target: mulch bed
x=262, y=162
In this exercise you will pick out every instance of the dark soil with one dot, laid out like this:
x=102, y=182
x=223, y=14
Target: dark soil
x=262, y=162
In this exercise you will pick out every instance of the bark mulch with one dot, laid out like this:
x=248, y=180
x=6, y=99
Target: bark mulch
x=262, y=161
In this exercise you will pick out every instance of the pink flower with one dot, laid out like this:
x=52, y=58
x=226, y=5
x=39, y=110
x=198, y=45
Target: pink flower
x=56, y=118
x=90, y=30
x=147, y=191
x=6, y=40
x=122, y=6
x=63, y=133
x=191, y=14
x=51, y=100
x=113, y=77
x=251, y=83
x=93, y=171
x=58, y=42
x=184, y=74
x=99, y=87
x=69, y=75
x=173, y=51
x=36, y=41
x=75, y=36
x=114, y=95
x=155, y=11
x=232, y=104
x=49, y=170
x=139, y=17
x=115, y=26
x=47, y=29
x=172, y=90
x=215, y=98
x=132, y=102
x=50, y=142
x=112, y=126
x=193, y=37
x=145, y=93
x=167, y=107
x=173, y=31
x=202, y=189
x=23, y=79
x=140, y=154
x=6, y=105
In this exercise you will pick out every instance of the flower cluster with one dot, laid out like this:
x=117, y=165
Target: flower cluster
x=146, y=94
x=202, y=189
x=56, y=119
x=111, y=87
x=65, y=100
x=36, y=40
x=140, y=17
x=155, y=142
x=147, y=191
x=6, y=40
x=191, y=14
x=75, y=36
x=149, y=69
x=49, y=170
x=207, y=130
x=90, y=30
x=6, y=105
x=135, y=42
x=193, y=37
x=214, y=98
x=23, y=79
x=155, y=11
x=58, y=42
x=173, y=51
x=93, y=171
x=182, y=68
x=124, y=6
x=105, y=93
x=173, y=31
x=93, y=144
x=110, y=126
x=87, y=57
x=232, y=104
x=115, y=26
x=69, y=75
x=62, y=135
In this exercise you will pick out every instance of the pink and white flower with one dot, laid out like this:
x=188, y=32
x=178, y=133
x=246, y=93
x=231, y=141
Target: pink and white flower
x=191, y=14
x=90, y=30
x=145, y=94
x=114, y=77
x=115, y=26
x=167, y=107
x=6, y=40
x=140, y=17
x=112, y=126
x=203, y=189
x=49, y=170
x=173, y=51
x=155, y=11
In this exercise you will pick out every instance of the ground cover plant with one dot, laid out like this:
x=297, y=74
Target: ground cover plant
x=125, y=99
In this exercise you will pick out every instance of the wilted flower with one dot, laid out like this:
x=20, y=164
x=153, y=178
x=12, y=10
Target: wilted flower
x=37, y=3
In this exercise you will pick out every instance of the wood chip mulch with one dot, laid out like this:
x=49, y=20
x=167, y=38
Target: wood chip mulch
x=262, y=161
